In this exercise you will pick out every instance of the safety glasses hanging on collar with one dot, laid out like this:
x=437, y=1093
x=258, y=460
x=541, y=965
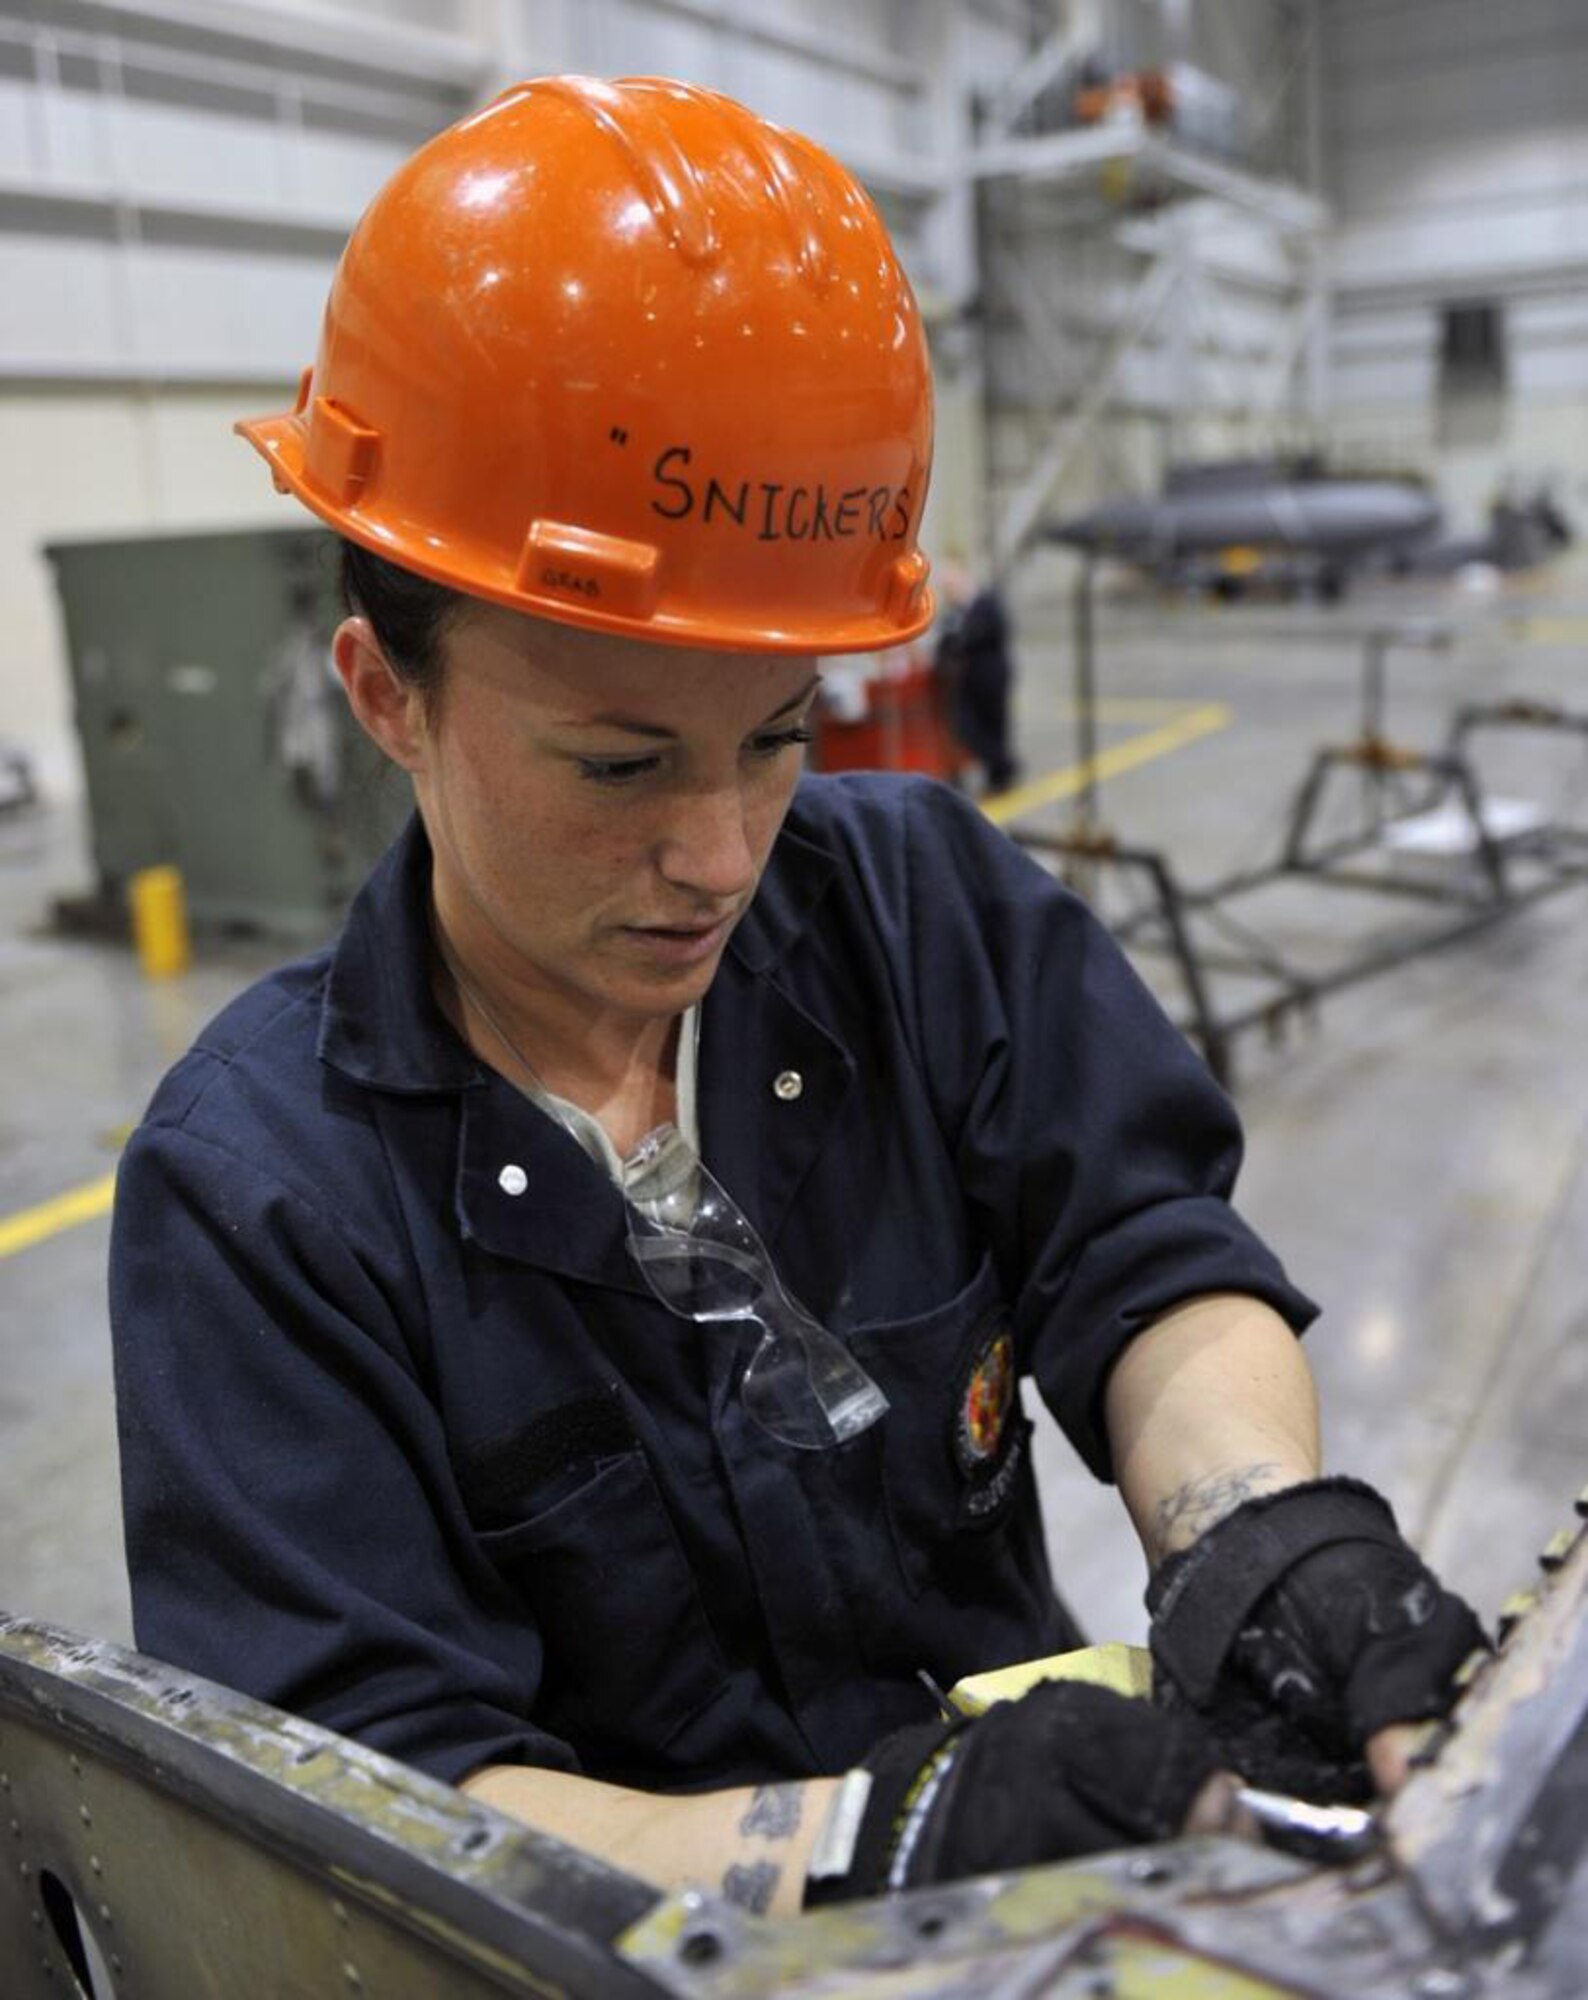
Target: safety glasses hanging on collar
x=702, y=1258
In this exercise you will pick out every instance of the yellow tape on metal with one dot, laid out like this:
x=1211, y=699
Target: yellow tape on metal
x=1125, y=1669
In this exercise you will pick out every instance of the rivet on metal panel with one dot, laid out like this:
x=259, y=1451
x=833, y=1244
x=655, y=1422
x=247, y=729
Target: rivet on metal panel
x=104, y=1914
x=354, y=1978
x=339, y=1911
x=1557, y=1549
x=77, y=1767
x=1148, y=1870
x=701, y=1947
x=85, y=1815
x=930, y=1921
x=96, y=1864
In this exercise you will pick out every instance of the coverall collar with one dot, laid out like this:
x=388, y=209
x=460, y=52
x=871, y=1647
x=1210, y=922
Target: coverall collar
x=525, y=1190
x=381, y=1026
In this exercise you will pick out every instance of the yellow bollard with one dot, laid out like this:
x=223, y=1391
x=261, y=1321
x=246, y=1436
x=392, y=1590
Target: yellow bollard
x=159, y=922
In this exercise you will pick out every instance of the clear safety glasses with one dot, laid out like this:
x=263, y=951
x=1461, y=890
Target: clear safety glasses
x=703, y=1260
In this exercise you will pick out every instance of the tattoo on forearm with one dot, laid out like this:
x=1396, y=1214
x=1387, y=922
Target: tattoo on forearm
x=752, y=1886
x=773, y=1811
x=772, y=1814
x=1190, y=1510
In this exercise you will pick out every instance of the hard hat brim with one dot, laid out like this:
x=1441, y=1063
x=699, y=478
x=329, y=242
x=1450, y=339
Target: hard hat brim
x=281, y=441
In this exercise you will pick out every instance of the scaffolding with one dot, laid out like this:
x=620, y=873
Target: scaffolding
x=1151, y=279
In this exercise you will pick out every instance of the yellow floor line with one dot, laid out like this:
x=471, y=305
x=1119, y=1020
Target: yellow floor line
x=1131, y=707
x=36, y=1225
x=1196, y=723
x=1546, y=631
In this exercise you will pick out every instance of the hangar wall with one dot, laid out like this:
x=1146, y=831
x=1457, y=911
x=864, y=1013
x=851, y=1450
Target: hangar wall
x=1456, y=157
x=175, y=182
x=177, y=177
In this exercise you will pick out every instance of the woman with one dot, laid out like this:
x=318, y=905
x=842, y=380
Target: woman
x=440, y=1423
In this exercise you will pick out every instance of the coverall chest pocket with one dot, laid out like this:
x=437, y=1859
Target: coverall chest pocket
x=629, y=1657
x=956, y=1448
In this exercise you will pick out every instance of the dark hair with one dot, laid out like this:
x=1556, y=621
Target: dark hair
x=409, y=613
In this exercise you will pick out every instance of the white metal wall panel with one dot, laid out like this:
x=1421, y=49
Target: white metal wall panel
x=176, y=177
x=1449, y=253
x=1495, y=95
x=1458, y=160
x=56, y=305
x=176, y=138
x=84, y=309
x=333, y=174
x=827, y=71
x=152, y=150
x=17, y=146
x=1376, y=34
x=257, y=311
x=842, y=111
x=1394, y=172
x=628, y=42
x=64, y=143
x=208, y=180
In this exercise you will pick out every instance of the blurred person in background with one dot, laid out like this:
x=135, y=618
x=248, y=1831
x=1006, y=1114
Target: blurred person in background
x=972, y=658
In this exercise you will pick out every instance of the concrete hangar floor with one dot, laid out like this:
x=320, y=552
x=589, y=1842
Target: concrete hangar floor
x=1418, y=1151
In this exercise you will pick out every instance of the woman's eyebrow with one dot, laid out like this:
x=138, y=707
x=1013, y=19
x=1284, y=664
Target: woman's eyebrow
x=794, y=700
x=632, y=725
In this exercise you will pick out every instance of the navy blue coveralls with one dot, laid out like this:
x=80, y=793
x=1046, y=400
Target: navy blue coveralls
x=409, y=1448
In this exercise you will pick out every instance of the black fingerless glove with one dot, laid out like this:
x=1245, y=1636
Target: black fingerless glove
x=1298, y=1626
x=1066, y=1770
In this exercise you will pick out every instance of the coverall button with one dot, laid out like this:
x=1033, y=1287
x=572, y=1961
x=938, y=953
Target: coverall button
x=512, y=1180
x=788, y=1084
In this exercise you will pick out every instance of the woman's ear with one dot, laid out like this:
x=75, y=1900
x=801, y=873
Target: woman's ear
x=390, y=710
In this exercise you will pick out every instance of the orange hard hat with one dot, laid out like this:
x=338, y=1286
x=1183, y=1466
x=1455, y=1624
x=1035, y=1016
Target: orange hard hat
x=627, y=356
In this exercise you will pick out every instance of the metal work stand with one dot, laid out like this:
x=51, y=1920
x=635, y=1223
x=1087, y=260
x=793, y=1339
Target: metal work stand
x=1088, y=850
x=1565, y=848
x=1395, y=785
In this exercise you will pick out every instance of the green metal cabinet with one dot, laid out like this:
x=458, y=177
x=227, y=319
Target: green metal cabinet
x=214, y=735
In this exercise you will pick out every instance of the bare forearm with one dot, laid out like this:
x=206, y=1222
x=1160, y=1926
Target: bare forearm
x=751, y=1843
x=1213, y=1404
